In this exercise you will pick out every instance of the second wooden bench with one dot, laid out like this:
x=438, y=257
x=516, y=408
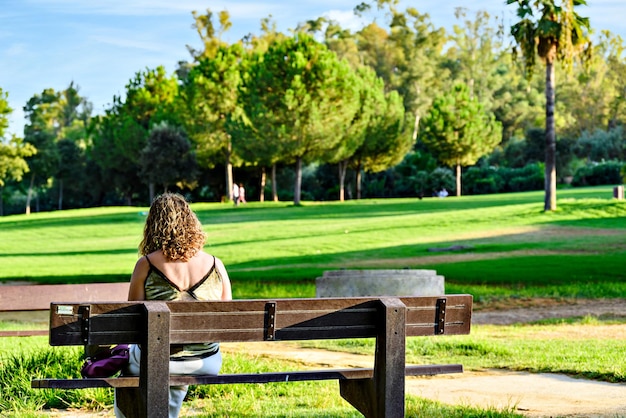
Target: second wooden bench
x=36, y=298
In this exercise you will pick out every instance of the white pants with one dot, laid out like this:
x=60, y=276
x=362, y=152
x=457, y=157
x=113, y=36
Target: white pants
x=209, y=366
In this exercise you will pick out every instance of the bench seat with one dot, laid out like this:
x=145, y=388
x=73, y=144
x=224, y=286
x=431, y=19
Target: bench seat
x=295, y=376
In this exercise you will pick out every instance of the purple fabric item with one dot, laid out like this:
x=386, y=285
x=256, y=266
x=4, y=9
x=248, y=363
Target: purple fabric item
x=107, y=362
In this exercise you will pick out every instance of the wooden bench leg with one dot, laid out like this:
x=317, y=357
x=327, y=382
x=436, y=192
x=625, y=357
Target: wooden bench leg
x=151, y=399
x=129, y=402
x=383, y=395
x=154, y=378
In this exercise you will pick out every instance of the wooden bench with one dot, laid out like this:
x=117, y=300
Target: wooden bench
x=376, y=392
x=18, y=299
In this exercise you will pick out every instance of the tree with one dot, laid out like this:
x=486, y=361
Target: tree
x=12, y=163
x=117, y=141
x=12, y=151
x=418, y=73
x=71, y=166
x=458, y=131
x=371, y=102
x=43, y=114
x=209, y=35
x=386, y=140
x=554, y=33
x=72, y=140
x=595, y=93
x=167, y=158
x=211, y=95
x=5, y=111
x=300, y=93
x=123, y=131
x=52, y=117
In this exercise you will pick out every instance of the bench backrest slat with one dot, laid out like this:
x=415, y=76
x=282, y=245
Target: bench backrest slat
x=254, y=320
x=108, y=323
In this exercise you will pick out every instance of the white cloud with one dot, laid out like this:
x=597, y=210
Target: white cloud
x=346, y=19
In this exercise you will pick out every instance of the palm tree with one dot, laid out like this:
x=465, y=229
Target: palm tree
x=552, y=32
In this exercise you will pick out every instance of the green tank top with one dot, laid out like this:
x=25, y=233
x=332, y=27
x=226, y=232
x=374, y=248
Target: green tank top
x=159, y=287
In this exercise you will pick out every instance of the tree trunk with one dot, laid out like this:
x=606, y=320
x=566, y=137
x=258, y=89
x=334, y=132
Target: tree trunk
x=151, y=191
x=358, y=181
x=343, y=167
x=274, y=186
x=29, y=196
x=229, y=172
x=416, y=126
x=550, y=169
x=263, y=178
x=61, y=194
x=297, y=187
x=458, y=180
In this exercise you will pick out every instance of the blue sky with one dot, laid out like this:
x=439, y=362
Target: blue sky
x=101, y=44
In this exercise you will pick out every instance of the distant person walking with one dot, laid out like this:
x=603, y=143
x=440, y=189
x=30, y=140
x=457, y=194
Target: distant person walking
x=235, y=194
x=242, y=193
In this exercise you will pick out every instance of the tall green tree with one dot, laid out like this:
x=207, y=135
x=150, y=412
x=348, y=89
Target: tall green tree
x=121, y=134
x=419, y=70
x=42, y=113
x=594, y=93
x=72, y=140
x=476, y=52
x=71, y=168
x=12, y=151
x=386, y=139
x=210, y=34
x=5, y=111
x=518, y=104
x=13, y=165
x=458, y=130
x=300, y=93
x=167, y=158
x=117, y=142
x=255, y=146
x=53, y=117
x=371, y=101
x=553, y=31
x=211, y=96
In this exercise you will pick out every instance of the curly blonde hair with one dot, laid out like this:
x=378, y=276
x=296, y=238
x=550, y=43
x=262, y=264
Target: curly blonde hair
x=172, y=226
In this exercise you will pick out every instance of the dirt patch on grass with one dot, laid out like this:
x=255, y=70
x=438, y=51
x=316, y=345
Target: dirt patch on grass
x=529, y=310
x=464, y=253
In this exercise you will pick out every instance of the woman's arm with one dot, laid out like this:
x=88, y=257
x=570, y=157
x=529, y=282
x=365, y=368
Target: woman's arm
x=227, y=293
x=137, y=290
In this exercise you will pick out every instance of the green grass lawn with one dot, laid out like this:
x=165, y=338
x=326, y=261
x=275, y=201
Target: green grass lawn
x=512, y=247
x=512, y=250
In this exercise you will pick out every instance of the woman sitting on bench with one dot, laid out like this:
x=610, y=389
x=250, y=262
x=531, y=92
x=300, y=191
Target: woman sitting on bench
x=174, y=266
